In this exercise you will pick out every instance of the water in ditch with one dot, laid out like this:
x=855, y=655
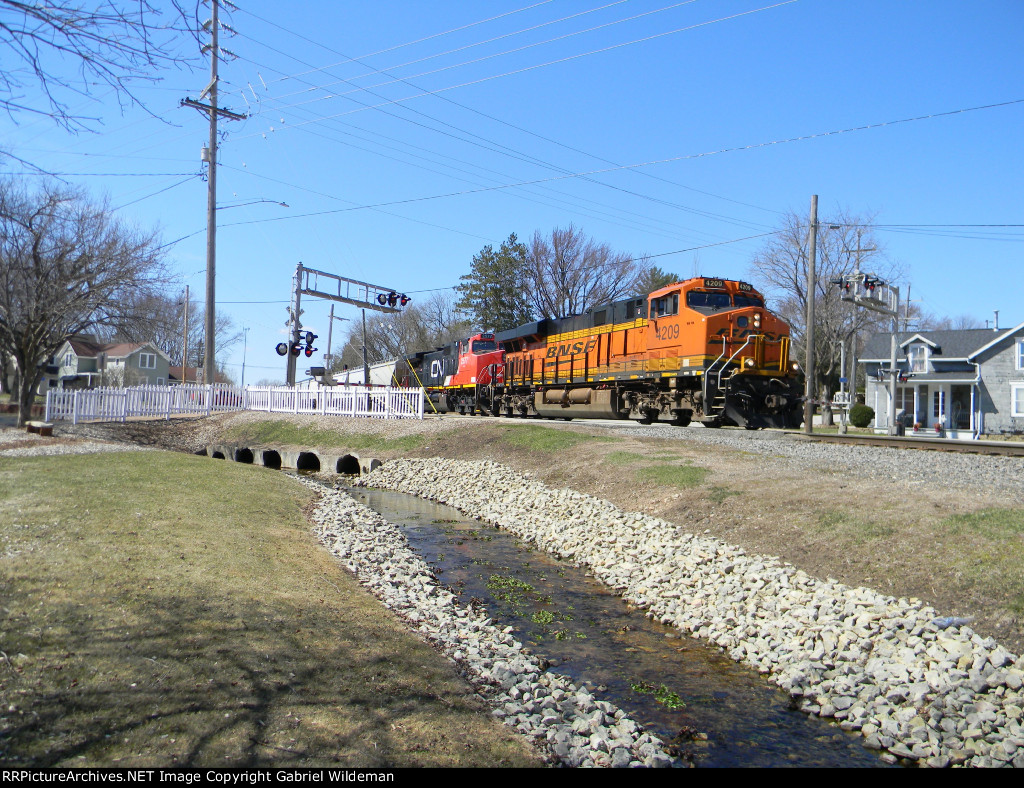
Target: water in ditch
x=712, y=710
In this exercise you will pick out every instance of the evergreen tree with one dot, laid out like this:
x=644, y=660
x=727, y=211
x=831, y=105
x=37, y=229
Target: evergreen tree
x=653, y=278
x=495, y=291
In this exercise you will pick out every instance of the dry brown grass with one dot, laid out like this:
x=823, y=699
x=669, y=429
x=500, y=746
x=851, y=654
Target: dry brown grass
x=167, y=610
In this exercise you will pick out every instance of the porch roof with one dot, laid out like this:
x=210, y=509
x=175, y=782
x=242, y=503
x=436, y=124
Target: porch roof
x=942, y=377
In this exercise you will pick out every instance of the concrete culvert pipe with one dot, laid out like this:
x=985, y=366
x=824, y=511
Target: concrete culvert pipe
x=201, y=453
x=349, y=465
x=271, y=459
x=244, y=455
x=218, y=455
x=307, y=462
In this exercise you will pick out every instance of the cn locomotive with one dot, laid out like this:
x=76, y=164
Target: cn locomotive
x=704, y=349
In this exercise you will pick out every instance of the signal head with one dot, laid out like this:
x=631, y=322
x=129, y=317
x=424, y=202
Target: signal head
x=382, y=299
x=282, y=348
x=392, y=298
x=309, y=351
x=404, y=299
x=295, y=349
x=310, y=336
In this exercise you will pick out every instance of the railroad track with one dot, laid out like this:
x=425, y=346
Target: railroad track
x=996, y=448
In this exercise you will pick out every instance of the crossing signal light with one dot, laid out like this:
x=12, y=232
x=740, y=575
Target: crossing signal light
x=282, y=348
x=309, y=351
x=392, y=298
x=310, y=336
x=295, y=349
x=404, y=299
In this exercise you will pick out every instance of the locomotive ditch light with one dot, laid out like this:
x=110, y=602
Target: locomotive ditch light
x=749, y=363
x=282, y=348
x=794, y=366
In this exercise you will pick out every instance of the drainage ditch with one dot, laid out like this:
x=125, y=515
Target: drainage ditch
x=713, y=711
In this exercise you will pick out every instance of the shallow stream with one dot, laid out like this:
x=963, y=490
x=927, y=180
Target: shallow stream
x=714, y=711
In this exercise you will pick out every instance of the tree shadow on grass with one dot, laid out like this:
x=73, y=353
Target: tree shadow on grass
x=223, y=683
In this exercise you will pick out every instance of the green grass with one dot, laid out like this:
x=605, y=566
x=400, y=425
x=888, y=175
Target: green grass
x=625, y=458
x=537, y=438
x=165, y=610
x=675, y=475
x=989, y=551
x=282, y=433
x=840, y=524
x=719, y=494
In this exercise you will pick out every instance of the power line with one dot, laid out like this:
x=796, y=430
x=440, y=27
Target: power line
x=489, y=117
x=552, y=62
x=419, y=40
x=657, y=161
x=481, y=43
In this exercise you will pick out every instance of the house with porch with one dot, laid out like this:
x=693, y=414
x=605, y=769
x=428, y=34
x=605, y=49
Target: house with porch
x=964, y=384
x=82, y=362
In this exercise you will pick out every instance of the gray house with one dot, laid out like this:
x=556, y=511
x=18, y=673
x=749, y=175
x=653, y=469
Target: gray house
x=965, y=384
x=84, y=363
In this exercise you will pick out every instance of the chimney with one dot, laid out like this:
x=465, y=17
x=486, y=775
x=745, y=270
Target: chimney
x=995, y=326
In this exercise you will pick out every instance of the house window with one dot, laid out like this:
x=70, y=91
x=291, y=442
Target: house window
x=917, y=355
x=1020, y=354
x=939, y=404
x=905, y=399
x=147, y=360
x=1017, y=400
x=69, y=360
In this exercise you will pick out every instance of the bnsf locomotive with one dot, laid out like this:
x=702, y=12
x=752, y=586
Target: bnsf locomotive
x=704, y=349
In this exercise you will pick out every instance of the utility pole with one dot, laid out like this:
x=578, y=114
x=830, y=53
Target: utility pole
x=366, y=367
x=184, y=342
x=210, y=157
x=296, y=325
x=811, y=285
x=245, y=347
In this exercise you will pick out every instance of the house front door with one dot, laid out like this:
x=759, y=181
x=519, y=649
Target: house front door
x=923, y=406
x=960, y=407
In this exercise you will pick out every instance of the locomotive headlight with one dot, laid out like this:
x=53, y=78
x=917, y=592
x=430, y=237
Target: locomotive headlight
x=757, y=320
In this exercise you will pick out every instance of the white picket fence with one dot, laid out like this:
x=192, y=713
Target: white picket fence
x=379, y=402
x=110, y=404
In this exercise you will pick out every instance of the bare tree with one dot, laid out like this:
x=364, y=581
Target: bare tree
x=433, y=323
x=780, y=271
x=109, y=43
x=159, y=317
x=67, y=266
x=570, y=273
x=959, y=323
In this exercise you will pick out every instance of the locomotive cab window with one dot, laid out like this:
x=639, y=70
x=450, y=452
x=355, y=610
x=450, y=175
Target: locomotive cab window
x=666, y=305
x=484, y=346
x=748, y=300
x=703, y=300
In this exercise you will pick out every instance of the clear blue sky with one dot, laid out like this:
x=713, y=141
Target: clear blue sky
x=516, y=91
